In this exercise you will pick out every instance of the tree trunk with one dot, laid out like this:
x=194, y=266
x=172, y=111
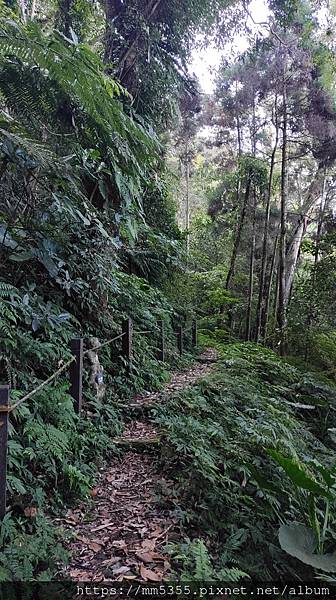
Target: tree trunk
x=128, y=58
x=23, y=7
x=63, y=20
x=265, y=314
x=316, y=258
x=261, y=297
x=238, y=126
x=238, y=136
x=187, y=215
x=238, y=235
x=282, y=308
x=294, y=246
x=292, y=256
x=113, y=10
x=33, y=10
x=276, y=298
x=253, y=130
x=251, y=274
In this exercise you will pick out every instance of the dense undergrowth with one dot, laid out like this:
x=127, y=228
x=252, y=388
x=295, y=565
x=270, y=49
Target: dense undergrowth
x=81, y=249
x=252, y=449
x=52, y=453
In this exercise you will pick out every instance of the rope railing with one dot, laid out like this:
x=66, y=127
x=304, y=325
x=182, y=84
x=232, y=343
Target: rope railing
x=75, y=366
x=143, y=332
x=12, y=407
x=117, y=337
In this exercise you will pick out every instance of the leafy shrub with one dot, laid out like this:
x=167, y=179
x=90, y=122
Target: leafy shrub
x=323, y=351
x=232, y=490
x=30, y=550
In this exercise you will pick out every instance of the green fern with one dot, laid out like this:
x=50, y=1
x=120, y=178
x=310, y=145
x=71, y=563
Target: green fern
x=232, y=574
x=28, y=55
x=218, y=432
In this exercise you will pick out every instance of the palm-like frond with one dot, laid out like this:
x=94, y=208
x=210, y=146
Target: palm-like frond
x=55, y=87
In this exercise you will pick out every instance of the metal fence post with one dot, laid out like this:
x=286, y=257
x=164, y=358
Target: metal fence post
x=180, y=339
x=194, y=333
x=76, y=373
x=127, y=330
x=4, y=403
x=161, y=349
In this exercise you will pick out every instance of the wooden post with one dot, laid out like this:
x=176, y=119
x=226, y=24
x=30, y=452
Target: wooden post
x=76, y=373
x=180, y=339
x=194, y=333
x=4, y=402
x=127, y=329
x=161, y=349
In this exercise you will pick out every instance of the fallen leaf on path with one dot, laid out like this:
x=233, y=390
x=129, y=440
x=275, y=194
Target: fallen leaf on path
x=111, y=561
x=94, y=546
x=79, y=575
x=147, y=557
x=120, y=544
x=148, y=545
x=149, y=575
x=118, y=571
x=157, y=531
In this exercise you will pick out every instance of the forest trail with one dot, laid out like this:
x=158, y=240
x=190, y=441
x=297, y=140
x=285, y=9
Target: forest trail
x=122, y=535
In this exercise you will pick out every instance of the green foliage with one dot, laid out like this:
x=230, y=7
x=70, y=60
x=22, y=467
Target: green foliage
x=311, y=315
x=194, y=564
x=80, y=247
x=31, y=550
x=224, y=435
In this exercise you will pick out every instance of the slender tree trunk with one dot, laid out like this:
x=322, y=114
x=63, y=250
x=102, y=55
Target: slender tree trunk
x=251, y=273
x=238, y=236
x=282, y=310
x=238, y=127
x=316, y=259
x=63, y=20
x=238, y=135
x=128, y=59
x=113, y=11
x=265, y=314
x=24, y=12
x=261, y=297
x=254, y=130
x=33, y=10
x=276, y=297
x=320, y=225
x=293, y=247
x=292, y=256
x=238, y=189
x=187, y=214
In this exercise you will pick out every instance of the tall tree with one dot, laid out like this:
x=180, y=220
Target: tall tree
x=263, y=295
x=282, y=307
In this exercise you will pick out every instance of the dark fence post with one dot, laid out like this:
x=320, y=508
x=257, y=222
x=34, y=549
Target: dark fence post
x=4, y=402
x=161, y=350
x=127, y=330
x=194, y=333
x=180, y=339
x=76, y=373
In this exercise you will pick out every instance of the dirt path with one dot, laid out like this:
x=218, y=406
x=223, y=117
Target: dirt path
x=123, y=535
